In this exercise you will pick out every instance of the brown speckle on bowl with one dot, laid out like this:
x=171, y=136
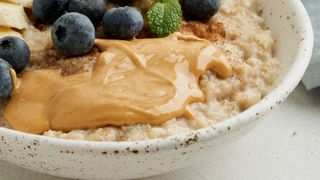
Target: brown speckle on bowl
x=192, y=140
x=135, y=151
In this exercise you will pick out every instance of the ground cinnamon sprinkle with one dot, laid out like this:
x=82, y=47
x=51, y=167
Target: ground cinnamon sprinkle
x=210, y=30
x=51, y=59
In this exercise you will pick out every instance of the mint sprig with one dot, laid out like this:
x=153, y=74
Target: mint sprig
x=164, y=17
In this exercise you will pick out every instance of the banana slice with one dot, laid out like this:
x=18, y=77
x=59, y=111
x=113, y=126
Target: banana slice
x=6, y=31
x=24, y=3
x=13, y=16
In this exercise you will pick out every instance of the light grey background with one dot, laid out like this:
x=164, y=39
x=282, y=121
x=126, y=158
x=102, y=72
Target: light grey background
x=312, y=76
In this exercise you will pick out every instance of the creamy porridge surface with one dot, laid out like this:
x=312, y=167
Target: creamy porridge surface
x=237, y=30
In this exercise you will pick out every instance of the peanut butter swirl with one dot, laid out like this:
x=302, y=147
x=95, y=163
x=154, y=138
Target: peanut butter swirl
x=140, y=81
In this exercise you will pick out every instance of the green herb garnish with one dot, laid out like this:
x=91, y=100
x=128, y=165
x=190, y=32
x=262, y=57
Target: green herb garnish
x=164, y=17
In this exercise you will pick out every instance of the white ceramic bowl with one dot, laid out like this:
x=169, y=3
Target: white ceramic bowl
x=96, y=160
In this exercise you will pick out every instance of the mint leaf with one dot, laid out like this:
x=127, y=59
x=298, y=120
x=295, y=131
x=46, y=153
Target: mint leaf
x=164, y=17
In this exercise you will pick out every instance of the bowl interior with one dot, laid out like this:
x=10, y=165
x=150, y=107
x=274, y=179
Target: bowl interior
x=292, y=30
x=290, y=26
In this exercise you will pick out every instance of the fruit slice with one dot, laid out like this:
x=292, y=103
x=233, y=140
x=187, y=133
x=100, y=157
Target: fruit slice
x=13, y=15
x=37, y=40
x=25, y=3
x=6, y=31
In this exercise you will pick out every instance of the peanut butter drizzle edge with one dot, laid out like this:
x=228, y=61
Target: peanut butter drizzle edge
x=140, y=81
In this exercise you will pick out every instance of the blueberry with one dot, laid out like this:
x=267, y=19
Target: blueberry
x=47, y=11
x=122, y=2
x=200, y=9
x=73, y=34
x=122, y=23
x=93, y=9
x=15, y=51
x=6, y=84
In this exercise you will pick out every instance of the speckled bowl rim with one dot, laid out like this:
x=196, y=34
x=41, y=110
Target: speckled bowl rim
x=274, y=98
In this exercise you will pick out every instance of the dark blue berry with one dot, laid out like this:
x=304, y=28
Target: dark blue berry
x=48, y=11
x=15, y=51
x=122, y=23
x=200, y=9
x=6, y=84
x=122, y=2
x=93, y=9
x=73, y=34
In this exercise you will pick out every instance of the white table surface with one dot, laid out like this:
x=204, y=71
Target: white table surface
x=285, y=146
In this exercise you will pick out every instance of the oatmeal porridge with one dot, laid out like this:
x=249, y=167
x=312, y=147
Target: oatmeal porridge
x=243, y=72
